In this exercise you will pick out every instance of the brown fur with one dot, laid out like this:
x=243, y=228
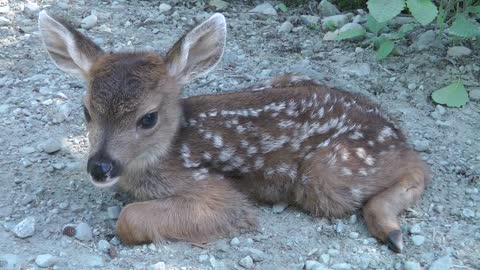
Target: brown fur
x=327, y=151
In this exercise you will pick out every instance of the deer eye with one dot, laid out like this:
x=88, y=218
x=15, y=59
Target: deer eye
x=148, y=120
x=86, y=114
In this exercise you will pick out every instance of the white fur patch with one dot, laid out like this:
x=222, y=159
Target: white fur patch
x=259, y=162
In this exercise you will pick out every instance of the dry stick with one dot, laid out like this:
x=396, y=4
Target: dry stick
x=82, y=244
x=463, y=267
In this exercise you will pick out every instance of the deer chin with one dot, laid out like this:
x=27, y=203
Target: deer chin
x=108, y=182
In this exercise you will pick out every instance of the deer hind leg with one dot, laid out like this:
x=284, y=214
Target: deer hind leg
x=382, y=210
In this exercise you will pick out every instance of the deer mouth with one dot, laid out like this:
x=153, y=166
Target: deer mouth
x=105, y=182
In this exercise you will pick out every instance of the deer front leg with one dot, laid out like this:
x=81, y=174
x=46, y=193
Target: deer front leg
x=208, y=210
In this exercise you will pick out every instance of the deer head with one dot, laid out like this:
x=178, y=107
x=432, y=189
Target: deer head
x=132, y=104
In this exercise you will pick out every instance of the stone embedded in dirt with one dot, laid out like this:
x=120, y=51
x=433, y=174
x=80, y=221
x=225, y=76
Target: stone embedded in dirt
x=442, y=263
x=424, y=40
x=330, y=35
x=412, y=265
x=265, y=8
x=335, y=21
x=353, y=235
x=103, y=246
x=474, y=94
x=113, y=212
x=31, y=9
x=353, y=219
x=421, y=145
x=285, y=27
x=314, y=265
x=359, y=69
x=25, y=228
x=416, y=229
x=158, y=266
x=4, y=21
x=458, y=51
x=246, y=262
x=341, y=266
x=89, y=21
x=235, y=241
x=164, y=7
x=468, y=213
x=203, y=258
x=152, y=247
x=9, y=261
x=279, y=207
x=115, y=241
x=351, y=26
x=94, y=261
x=256, y=254
x=309, y=19
x=83, y=232
x=45, y=260
x=325, y=258
x=26, y=150
x=418, y=240
x=52, y=146
x=364, y=262
x=327, y=9
x=4, y=108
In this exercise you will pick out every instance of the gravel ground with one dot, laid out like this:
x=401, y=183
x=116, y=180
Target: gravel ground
x=51, y=215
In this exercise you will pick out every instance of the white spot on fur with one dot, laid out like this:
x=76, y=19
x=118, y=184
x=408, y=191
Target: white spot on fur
x=344, y=154
x=186, y=154
x=240, y=129
x=371, y=143
x=324, y=144
x=369, y=160
x=361, y=153
x=244, y=144
x=213, y=113
x=357, y=194
x=270, y=143
x=200, y=174
x=332, y=159
x=346, y=171
x=385, y=133
x=305, y=179
x=259, y=162
x=207, y=156
x=356, y=135
x=203, y=115
x=362, y=172
x=217, y=141
x=226, y=154
x=252, y=150
x=286, y=123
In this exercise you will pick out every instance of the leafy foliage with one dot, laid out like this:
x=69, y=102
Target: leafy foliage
x=464, y=28
x=385, y=10
x=353, y=33
x=453, y=95
x=385, y=48
x=424, y=11
x=283, y=7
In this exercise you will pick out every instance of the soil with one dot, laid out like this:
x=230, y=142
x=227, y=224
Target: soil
x=40, y=112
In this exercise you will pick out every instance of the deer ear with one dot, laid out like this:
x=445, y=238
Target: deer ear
x=69, y=49
x=199, y=51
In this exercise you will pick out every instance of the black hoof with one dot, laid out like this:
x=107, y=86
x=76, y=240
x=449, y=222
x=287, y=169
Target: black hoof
x=395, y=241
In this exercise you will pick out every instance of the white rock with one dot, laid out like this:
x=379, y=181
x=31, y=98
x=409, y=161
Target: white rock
x=341, y=266
x=83, y=232
x=314, y=265
x=4, y=21
x=103, y=245
x=27, y=150
x=113, y=212
x=285, y=27
x=164, y=7
x=412, y=265
x=458, y=51
x=265, y=8
x=158, y=266
x=246, y=262
x=4, y=108
x=442, y=263
x=94, y=261
x=235, y=241
x=25, y=228
x=349, y=27
x=309, y=19
x=330, y=35
x=334, y=22
x=327, y=9
x=418, y=240
x=416, y=229
x=45, y=260
x=52, y=146
x=89, y=21
x=360, y=70
x=474, y=94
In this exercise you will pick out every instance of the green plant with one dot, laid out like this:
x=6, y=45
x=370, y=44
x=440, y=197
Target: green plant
x=453, y=95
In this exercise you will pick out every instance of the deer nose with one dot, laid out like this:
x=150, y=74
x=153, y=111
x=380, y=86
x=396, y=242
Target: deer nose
x=99, y=170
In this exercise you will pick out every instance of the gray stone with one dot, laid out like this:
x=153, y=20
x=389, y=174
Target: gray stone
x=103, y=245
x=341, y=266
x=353, y=235
x=325, y=258
x=164, y=7
x=83, y=232
x=235, y=241
x=158, y=266
x=113, y=212
x=458, y=51
x=5, y=9
x=279, y=207
x=285, y=27
x=256, y=254
x=327, y=9
x=424, y=40
x=203, y=258
x=309, y=19
x=89, y=21
x=94, y=261
x=4, y=108
x=31, y=9
x=360, y=69
x=265, y=8
x=349, y=27
x=26, y=150
x=421, y=145
x=334, y=22
x=330, y=35
x=25, y=228
x=364, y=262
x=314, y=265
x=9, y=261
x=442, y=263
x=468, y=213
x=418, y=240
x=4, y=21
x=246, y=262
x=412, y=265
x=115, y=241
x=45, y=260
x=416, y=229
x=474, y=94
x=52, y=146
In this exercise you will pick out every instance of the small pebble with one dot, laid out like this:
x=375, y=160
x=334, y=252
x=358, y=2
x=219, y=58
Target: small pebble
x=45, y=260
x=256, y=254
x=203, y=258
x=353, y=235
x=416, y=229
x=285, y=27
x=442, y=263
x=341, y=266
x=164, y=7
x=52, y=146
x=325, y=258
x=113, y=212
x=94, y=261
x=26, y=150
x=152, y=247
x=83, y=232
x=158, y=266
x=4, y=21
x=474, y=94
x=89, y=22
x=103, y=246
x=25, y=228
x=458, y=51
x=265, y=8
x=418, y=240
x=235, y=241
x=468, y=213
x=412, y=265
x=246, y=262
x=314, y=265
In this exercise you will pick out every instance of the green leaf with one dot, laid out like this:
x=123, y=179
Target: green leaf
x=282, y=7
x=385, y=10
x=353, y=33
x=218, y=4
x=462, y=27
x=373, y=25
x=453, y=95
x=424, y=11
x=406, y=28
x=384, y=49
x=474, y=9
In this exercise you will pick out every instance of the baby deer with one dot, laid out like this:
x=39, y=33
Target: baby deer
x=193, y=163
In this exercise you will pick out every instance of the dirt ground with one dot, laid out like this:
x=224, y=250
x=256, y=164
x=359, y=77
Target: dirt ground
x=40, y=113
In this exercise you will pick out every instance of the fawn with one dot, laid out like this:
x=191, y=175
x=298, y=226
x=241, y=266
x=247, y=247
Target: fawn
x=194, y=163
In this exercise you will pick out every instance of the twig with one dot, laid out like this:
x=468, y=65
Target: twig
x=462, y=267
x=386, y=70
x=82, y=244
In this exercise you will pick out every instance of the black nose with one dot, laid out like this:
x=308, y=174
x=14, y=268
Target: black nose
x=99, y=169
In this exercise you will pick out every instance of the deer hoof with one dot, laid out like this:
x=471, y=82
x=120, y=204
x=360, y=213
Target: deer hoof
x=395, y=241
